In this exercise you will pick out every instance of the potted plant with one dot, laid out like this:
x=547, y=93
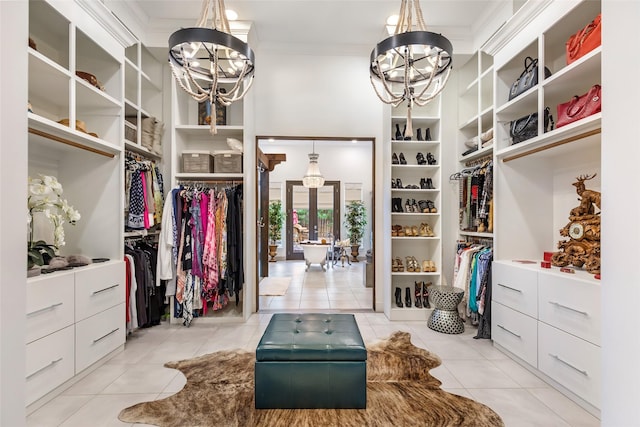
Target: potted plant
x=355, y=220
x=276, y=216
x=45, y=198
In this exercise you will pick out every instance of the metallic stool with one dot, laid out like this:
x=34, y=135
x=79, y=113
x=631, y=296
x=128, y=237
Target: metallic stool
x=444, y=317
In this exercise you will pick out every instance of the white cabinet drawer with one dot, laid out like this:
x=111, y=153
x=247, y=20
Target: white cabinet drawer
x=99, y=287
x=570, y=304
x=570, y=361
x=516, y=287
x=49, y=363
x=50, y=304
x=515, y=332
x=99, y=335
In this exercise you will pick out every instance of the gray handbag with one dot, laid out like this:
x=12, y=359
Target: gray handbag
x=528, y=78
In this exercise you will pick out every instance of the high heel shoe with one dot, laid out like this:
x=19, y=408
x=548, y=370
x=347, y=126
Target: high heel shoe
x=423, y=207
x=409, y=264
x=430, y=159
x=394, y=159
x=399, y=265
x=425, y=266
x=399, y=183
x=419, y=137
x=414, y=206
x=403, y=161
x=407, y=206
x=398, y=135
x=423, y=184
x=417, y=286
x=432, y=207
x=407, y=231
x=425, y=295
x=399, y=297
x=407, y=297
x=427, y=134
x=420, y=158
x=394, y=265
x=393, y=183
x=429, y=184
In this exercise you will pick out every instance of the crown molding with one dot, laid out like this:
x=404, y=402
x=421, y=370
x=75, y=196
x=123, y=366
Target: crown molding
x=103, y=16
x=527, y=13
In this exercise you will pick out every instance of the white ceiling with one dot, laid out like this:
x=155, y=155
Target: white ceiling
x=340, y=25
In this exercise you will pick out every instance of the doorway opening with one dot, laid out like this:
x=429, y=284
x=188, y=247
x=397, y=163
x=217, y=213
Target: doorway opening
x=314, y=222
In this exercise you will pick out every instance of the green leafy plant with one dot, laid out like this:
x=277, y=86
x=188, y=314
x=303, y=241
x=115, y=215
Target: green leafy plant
x=355, y=221
x=276, y=217
x=45, y=196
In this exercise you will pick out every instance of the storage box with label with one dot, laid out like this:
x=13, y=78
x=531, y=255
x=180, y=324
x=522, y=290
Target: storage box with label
x=227, y=162
x=197, y=161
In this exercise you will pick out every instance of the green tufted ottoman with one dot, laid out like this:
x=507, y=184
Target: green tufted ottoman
x=311, y=361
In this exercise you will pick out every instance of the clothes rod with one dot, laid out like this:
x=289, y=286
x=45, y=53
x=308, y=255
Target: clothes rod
x=69, y=142
x=552, y=145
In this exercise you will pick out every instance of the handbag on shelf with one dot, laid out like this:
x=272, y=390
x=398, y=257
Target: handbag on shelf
x=528, y=78
x=580, y=106
x=585, y=40
x=526, y=127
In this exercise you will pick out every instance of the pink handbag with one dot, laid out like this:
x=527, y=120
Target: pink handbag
x=580, y=107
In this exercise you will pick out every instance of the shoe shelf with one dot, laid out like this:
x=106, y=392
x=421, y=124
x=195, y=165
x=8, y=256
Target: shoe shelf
x=415, y=190
x=417, y=214
x=414, y=238
x=419, y=167
x=415, y=273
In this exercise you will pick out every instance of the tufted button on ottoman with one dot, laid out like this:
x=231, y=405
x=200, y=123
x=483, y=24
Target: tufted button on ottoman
x=444, y=317
x=311, y=361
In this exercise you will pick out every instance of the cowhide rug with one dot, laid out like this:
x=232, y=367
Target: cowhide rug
x=400, y=392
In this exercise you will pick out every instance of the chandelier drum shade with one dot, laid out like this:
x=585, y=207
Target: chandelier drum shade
x=411, y=66
x=313, y=178
x=204, y=59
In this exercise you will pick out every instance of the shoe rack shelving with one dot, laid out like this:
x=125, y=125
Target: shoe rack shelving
x=546, y=319
x=422, y=247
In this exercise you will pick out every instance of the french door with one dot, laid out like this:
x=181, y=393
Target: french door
x=312, y=214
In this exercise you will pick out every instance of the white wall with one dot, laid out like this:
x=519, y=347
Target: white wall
x=315, y=96
x=328, y=96
x=620, y=207
x=13, y=212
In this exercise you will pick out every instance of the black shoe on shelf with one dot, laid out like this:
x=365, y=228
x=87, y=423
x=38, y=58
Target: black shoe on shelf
x=418, y=294
x=399, y=297
x=403, y=161
x=425, y=295
x=420, y=159
x=423, y=184
x=427, y=136
x=429, y=184
x=393, y=183
x=399, y=183
x=394, y=159
x=398, y=135
x=407, y=297
x=419, y=137
x=431, y=159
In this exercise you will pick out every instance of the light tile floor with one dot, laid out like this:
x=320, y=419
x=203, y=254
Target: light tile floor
x=470, y=367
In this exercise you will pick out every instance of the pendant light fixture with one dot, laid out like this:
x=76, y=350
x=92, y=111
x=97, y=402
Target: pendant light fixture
x=204, y=59
x=411, y=66
x=313, y=178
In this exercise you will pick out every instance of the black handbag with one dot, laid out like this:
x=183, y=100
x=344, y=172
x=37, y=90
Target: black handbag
x=527, y=127
x=528, y=78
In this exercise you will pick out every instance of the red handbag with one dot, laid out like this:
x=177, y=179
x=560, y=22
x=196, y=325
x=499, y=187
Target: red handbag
x=580, y=107
x=585, y=40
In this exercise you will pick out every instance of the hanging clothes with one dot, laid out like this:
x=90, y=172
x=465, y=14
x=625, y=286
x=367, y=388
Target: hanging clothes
x=205, y=246
x=144, y=198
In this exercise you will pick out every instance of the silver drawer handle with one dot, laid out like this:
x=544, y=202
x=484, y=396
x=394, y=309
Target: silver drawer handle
x=509, y=287
x=53, y=362
x=559, y=359
x=105, y=335
x=105, y=289
x=40, y=310
x=568, y=308
x=505, y=329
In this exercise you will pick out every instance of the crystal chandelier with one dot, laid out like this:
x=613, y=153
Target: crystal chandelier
x=203, y=59
x=411, y=66
x=313, y=178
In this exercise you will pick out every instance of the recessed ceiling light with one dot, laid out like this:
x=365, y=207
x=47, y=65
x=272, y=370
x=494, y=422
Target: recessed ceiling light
x=392, y=20
x=232, y=15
